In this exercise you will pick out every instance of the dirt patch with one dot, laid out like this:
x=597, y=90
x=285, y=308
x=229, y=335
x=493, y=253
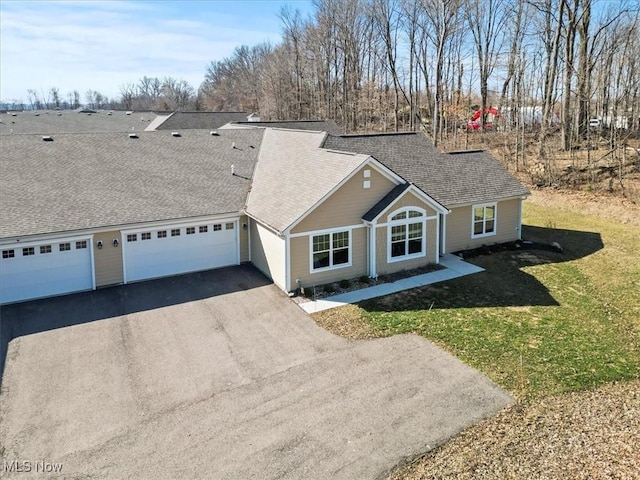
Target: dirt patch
x=602, y=205
x=345, y=322
x=585, y=435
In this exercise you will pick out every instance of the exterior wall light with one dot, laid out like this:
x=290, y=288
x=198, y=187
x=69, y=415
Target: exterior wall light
x=99, y=244
x=115, y=242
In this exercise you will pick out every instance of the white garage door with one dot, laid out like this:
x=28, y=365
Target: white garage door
x=44, y=270
x=175, y=250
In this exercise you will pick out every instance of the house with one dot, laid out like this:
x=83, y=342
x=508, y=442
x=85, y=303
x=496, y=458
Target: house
x=84, y=211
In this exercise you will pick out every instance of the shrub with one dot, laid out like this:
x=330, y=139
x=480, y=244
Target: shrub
x=344, y=283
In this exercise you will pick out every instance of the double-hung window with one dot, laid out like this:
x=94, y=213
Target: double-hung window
x=483, y=220
x=406, y=235
x=331, y=250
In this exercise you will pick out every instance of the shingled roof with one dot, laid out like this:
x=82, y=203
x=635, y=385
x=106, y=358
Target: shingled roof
x=328, y=126
x=450, y=178
x=200, y=120
x=79, y=181
x=49, y=122
x=285, y=186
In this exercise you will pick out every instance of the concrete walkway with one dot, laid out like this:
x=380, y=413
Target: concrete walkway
x=455, y=267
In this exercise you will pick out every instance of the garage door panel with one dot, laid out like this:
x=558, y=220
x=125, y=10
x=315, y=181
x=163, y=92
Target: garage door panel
x=171, y=255
x=44, y=274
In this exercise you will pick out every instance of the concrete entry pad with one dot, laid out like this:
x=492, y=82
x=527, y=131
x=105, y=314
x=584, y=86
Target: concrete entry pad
x=455, y=267
x=219, y=375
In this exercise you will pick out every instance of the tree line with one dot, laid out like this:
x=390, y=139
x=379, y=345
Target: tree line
x=548, y=66
x=401, y=64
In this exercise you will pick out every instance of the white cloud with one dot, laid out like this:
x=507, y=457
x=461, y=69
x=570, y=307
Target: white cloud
x=101, y=45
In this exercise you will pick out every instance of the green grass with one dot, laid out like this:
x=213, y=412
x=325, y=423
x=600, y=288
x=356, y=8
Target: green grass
x=536, y=322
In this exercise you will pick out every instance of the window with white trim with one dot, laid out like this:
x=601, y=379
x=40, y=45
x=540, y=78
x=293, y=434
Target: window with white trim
x=28, y=251
x=330, y=250
x=132, y=237
x=162, y=234
x=145, y=236
x=175, y=232
x=65, y=247
x=45, y=249
x=217, y=227
x=191, y=230
x=8, y=254
x=203, y=229
x=406, y=234
x=80, y=244
x=483, y=219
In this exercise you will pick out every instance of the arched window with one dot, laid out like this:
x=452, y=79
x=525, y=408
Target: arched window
x=406, y=234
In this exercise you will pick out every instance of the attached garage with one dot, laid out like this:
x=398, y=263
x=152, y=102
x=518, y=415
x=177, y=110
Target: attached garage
x=172, y=250
x=45, y=269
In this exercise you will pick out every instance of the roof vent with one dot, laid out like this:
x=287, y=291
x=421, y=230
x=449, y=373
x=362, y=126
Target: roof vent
x=37, y=114
x=175, y=134
x=464, y=152
x=88, y=114
x=133, y=135
x=214, y=133
x=129, y=112
x=47, y=138
x=233, y=144
x=59, y=114
x=109, y=113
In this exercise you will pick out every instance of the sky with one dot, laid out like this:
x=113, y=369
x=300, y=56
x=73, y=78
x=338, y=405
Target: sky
x=101, y=45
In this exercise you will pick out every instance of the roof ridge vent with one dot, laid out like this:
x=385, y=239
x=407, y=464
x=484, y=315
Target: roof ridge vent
x=463, y=152
x=133, y=135
x=214, y=133
x=47, y=138
x=175, y=134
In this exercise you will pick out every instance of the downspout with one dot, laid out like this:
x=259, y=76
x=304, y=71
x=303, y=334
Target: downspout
x=519, y=227
x=437, y=238
x=93, y=264
x=287, y=262
x=443, y=247
x=373, y=273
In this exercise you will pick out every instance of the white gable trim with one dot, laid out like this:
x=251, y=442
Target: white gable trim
x=369, y=161
x=421, y=195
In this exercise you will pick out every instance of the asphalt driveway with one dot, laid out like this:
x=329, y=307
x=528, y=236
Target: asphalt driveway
x=218, y=375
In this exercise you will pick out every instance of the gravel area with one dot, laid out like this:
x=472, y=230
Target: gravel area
x=584, y=435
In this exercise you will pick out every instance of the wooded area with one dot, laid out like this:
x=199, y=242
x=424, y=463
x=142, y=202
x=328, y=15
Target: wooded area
x=563, y=75
x=550, y=81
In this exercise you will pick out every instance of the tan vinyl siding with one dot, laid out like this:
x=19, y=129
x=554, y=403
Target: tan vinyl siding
x=349, y=203
x=268, y=253
x=459, y=226
x=244, y=238
x=300, y=261
x=382, y=267
x=408, y=200
x=108, y=259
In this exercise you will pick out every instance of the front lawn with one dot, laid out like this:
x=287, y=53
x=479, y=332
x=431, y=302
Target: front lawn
x=536, y=322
